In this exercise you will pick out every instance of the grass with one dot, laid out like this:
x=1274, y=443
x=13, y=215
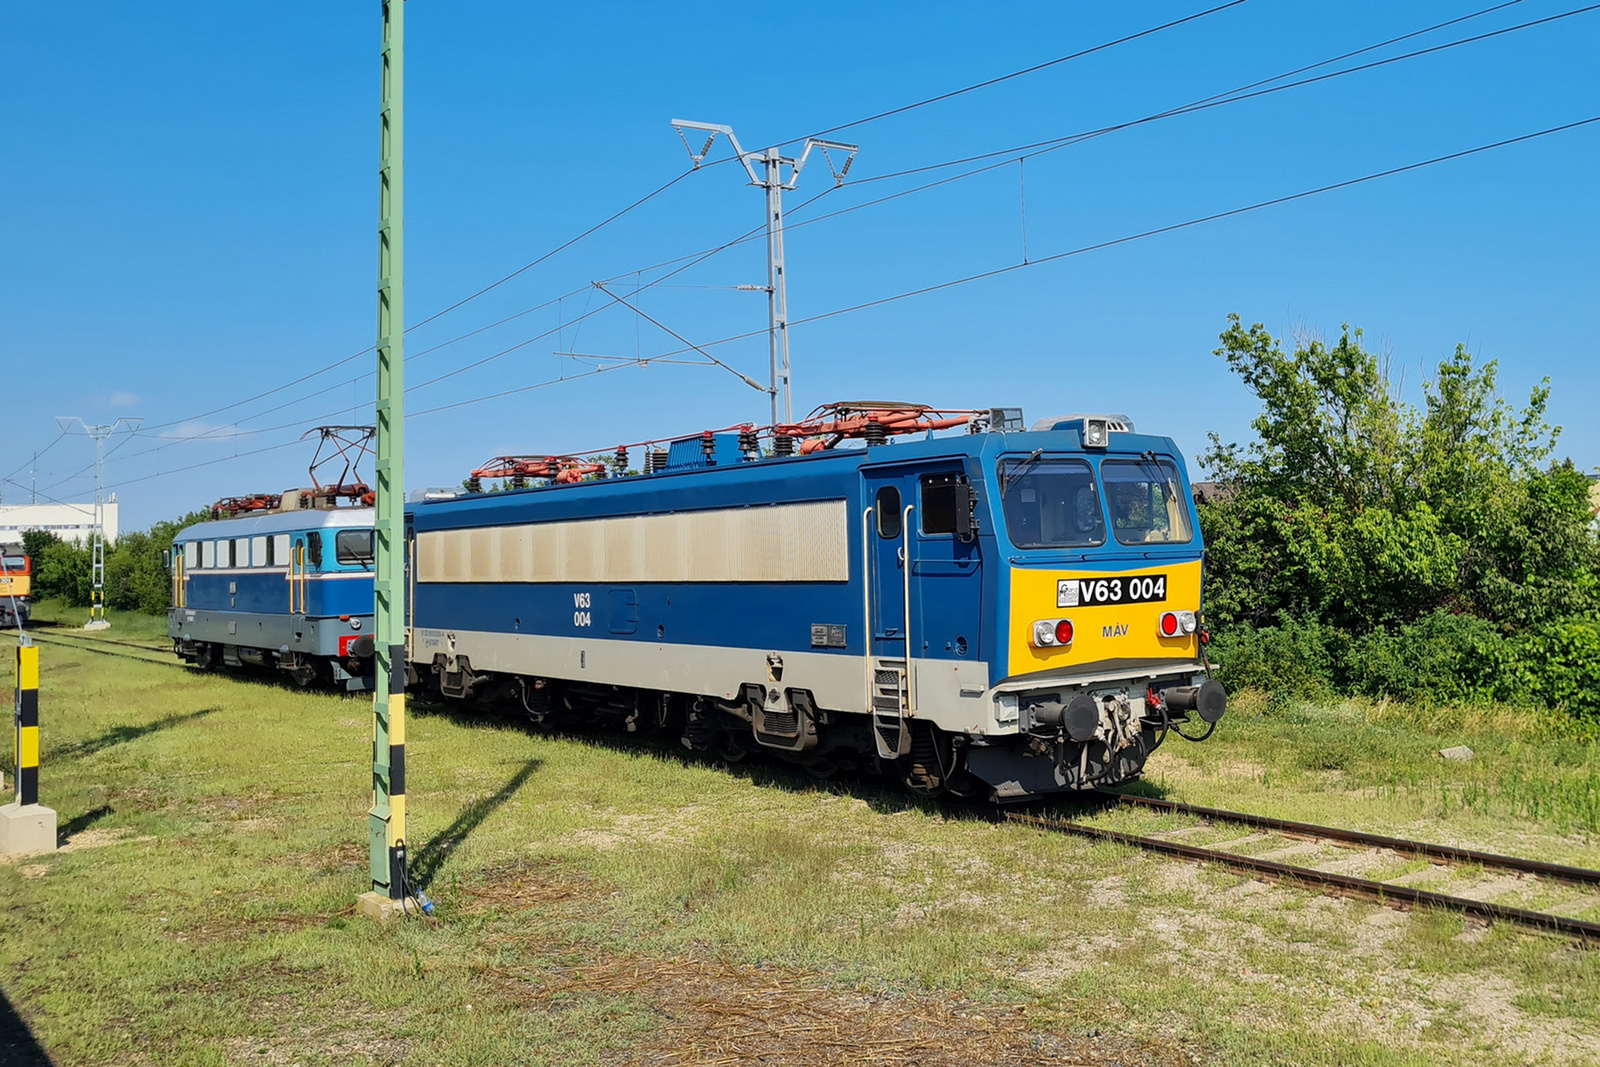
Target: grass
x=602, y=901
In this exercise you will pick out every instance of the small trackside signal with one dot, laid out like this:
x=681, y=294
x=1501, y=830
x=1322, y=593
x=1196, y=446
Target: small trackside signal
x=1176, y=623
x=1052, y=633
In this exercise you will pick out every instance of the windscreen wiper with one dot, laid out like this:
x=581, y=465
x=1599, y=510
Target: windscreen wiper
x=1011, y=475
x=1150, y=458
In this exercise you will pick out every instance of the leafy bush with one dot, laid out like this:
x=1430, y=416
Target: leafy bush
x=1559, y=664
x=1291, y=656
x=62, y=569
x=1440, y=658
x=136, y=578
x=1433, y=553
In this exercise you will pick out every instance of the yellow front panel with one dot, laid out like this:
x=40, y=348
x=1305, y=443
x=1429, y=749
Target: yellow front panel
x=17, y=585
x=1102, y=632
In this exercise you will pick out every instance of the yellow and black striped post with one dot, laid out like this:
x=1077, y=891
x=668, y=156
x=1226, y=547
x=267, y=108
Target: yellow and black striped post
x=391, y=895
x=25, y=824
x=27, y=716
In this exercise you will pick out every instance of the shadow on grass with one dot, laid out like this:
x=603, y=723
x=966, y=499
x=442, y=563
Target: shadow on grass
x=767, y=772
x=79, y=823
x=427, y=860
x=880, y=794
x=118, y=735
x=18, y=1046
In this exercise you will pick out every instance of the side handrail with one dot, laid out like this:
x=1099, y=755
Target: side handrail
x=905, y=570
x=866, y=600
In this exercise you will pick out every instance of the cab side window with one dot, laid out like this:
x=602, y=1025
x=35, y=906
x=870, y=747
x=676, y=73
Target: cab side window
x=941, y=495
x=888, y=507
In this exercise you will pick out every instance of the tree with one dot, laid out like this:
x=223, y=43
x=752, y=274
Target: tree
x=1354, y=508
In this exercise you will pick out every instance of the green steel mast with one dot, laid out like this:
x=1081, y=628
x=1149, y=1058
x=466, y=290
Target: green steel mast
x=388, y=815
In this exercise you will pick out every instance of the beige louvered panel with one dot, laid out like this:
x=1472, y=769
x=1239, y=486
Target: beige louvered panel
x=623, y=542
x=818, y=547
x=516, y=559
x=707, y=558
x=784, y=543
x=764, y=555
x=666, y=547
x=543, y=550
x=430, y=557
x=476, y=564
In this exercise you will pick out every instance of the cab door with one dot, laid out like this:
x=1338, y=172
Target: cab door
x=884, y=530
x=946, y=569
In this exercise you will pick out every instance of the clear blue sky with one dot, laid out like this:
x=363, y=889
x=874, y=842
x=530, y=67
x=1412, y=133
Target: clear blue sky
x=189, y=198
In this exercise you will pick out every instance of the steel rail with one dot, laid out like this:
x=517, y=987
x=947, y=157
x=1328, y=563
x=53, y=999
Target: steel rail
x=85, y=646
x=1344, y=884
x=1448, y=853
x=56, y=630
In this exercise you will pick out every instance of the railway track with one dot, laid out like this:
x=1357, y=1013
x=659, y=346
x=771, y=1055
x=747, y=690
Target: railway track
x=93, y=644
x=74, y=633
x=1391, y=893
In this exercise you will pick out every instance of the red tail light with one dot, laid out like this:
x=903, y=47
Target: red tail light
x=1052, y=633
x=1169, y=624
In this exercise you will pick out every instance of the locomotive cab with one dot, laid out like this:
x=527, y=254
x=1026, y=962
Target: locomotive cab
x=16, y=586
x=1103, y=646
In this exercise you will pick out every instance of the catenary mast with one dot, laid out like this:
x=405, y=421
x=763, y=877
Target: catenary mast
x=388, y=816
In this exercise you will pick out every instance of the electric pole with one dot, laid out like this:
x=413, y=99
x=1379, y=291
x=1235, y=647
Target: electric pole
x=771, y=178
x=387, y=819
x=97, y=598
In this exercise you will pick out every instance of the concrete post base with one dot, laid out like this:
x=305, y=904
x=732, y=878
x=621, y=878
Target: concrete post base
x=27, y=828
x=380, y=908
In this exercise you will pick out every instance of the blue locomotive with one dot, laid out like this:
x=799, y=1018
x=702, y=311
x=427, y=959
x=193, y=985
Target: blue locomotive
x=279, y=587
x=1003, y=613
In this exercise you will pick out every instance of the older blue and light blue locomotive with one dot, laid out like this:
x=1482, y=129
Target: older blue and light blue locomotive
x=1003, y=613
x=279, y=588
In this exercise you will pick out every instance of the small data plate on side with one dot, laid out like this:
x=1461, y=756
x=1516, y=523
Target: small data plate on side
x=827, y=635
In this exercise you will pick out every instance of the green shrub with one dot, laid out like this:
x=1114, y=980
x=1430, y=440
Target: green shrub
x=136, y=578
x=1437, y=552
x=1440, y=658
x=1559, y=665
x=1293, y=656
x=62, y=569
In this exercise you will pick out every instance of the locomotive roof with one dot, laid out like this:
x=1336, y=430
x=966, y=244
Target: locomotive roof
x=831, y=463
x=278, y=522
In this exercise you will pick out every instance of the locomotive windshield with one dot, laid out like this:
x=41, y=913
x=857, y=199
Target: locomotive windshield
x=1051, y=503
x=1146, y=501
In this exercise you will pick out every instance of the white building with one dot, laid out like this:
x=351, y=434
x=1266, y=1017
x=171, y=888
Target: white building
x=70, y=522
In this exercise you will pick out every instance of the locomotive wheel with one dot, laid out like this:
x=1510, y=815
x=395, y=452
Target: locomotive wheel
x=728, y=748
x=312, y=673
x=924, y=772
x=821, y=770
